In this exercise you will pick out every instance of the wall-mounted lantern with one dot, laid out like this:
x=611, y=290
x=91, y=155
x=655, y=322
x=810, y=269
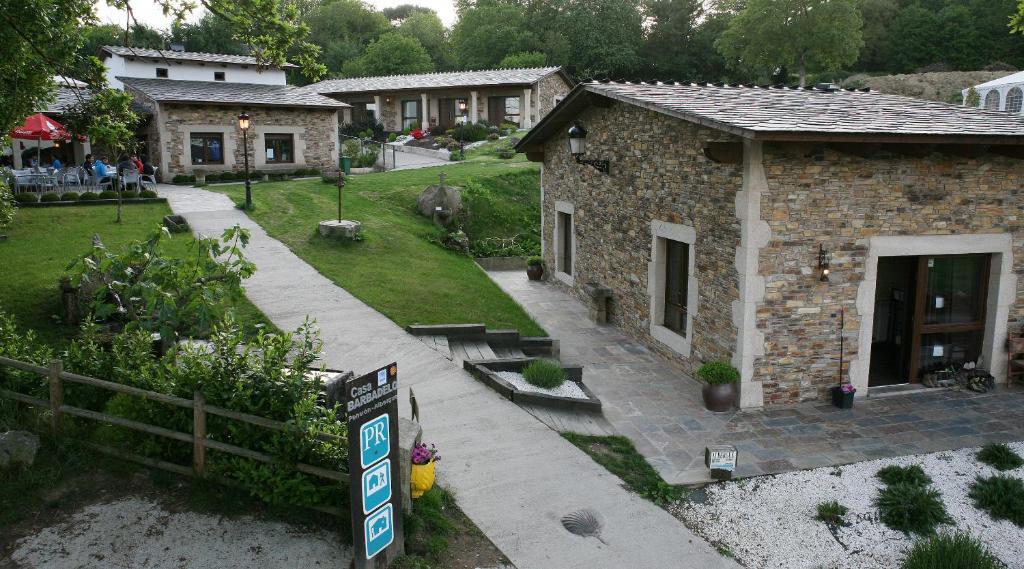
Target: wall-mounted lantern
x=578, y=147
x=387, y=100
x=462, y=105
x=823, y=263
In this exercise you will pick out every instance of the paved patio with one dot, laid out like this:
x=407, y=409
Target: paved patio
x=658, y=406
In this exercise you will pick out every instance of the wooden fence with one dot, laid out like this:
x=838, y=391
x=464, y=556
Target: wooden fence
x=198, y=437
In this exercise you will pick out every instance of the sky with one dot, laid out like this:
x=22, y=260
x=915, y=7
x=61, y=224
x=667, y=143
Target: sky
x=148, y=12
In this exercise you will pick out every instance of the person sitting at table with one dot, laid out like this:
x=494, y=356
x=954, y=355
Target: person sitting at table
x=138, y=163
x=125, y=164
x=147, y=168
x=99, y=169
x=56, y=165
x=87, y=165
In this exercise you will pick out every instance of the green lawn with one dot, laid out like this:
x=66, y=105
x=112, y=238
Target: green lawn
x=42, y=241
x=396, y=269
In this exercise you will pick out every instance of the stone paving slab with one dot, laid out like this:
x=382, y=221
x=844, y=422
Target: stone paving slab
x=654, y=403
x=512, y=475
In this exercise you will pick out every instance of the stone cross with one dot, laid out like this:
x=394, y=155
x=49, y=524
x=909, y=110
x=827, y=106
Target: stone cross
x=443, y=176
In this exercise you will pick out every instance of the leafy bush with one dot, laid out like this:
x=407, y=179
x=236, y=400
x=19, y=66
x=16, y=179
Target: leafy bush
x=69, y=196
x=505, y=152
x=25, y=346
x=718, y=373
x=88, y=196
x=911, y=508
x=832, y=513
x=913, y=475
x=534, y=260
x=454, y=146
x=215, y=177
x=407, y=130
x=436, y=130
x=1001, y=496
x=351, y=148
x=50, y=197
x=493, y=136
x=108, y=195
x=957, y=551
x=366, y=159
x=26, y=197
x=143, y=288
x=469, y=132
x=392, y=137
x=545, y=374
x=130, y=195
x=147, y=194
x=183, y=179
x=1000, y=457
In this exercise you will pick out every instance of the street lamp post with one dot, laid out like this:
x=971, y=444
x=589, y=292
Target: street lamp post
x=243, y=123
x=462, y=112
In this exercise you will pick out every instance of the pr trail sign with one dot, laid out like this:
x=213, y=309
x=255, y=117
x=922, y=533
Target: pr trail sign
x=371, y=405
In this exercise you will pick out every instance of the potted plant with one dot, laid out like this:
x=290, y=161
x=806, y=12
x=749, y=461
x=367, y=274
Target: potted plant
x=422, y=476
x=534, y=268
x=719, y=391
x=842, y=396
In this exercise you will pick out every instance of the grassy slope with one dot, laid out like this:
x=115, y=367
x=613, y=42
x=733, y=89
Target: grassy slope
x=41, y=242
x=395, y=269
x=941, y=86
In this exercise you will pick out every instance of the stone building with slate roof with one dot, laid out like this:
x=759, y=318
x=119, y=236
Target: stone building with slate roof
x=807, y=236
x=193, y=125
x=520, y=96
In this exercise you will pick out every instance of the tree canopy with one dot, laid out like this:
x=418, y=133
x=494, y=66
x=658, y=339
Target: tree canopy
x=392, y=54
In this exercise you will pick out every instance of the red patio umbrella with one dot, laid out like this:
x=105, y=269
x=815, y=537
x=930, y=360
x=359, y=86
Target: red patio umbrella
x=39, y=127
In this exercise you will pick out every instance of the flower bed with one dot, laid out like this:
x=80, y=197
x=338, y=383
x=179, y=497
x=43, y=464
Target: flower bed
x=769, y=521
x=505, y=376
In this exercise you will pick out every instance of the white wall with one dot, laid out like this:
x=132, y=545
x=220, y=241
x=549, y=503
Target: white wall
x=118, y=66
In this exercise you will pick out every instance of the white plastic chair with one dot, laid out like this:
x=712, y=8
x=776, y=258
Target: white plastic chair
x=149, y=180
x=130, y=178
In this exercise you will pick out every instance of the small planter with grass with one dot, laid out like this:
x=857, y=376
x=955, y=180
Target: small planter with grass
x=534, y=268
x=719, y=390
x=536, y=381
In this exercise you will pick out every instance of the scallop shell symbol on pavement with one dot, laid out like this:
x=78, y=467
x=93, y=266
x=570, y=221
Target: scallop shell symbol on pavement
x=584, y=523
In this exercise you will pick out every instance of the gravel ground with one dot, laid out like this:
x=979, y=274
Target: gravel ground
x=567, y=389
x=768, y=522
x=140, y=533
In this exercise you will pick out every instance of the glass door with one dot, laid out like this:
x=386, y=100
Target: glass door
x=950, y=312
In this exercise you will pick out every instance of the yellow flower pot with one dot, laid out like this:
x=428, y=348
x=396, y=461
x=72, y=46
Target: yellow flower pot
x=422, y=478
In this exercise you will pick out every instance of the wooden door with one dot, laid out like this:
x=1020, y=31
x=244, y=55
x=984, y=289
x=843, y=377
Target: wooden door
x=446, y=113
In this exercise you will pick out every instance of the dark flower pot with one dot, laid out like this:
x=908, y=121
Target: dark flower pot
x=534, y=272
x=719, y=398
x=842, y=400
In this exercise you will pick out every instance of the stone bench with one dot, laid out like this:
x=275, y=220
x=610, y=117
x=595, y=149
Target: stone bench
x=599, y=296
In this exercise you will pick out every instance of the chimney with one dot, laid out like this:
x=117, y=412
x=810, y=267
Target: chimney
x=178, y=47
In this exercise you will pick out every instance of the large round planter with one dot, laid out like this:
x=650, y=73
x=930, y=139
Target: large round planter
x=535, y=272
x=719, y=398
x=421, y=478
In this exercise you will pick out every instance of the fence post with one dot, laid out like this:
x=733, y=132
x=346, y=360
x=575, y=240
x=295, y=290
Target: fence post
x=56, y=394
x=199, y=434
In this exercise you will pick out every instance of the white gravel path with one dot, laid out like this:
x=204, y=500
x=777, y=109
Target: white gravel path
x=768, y=522
x=139, y=533
x=567, y=389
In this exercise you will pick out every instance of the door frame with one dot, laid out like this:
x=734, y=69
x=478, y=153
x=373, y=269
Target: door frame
x=1002, y=292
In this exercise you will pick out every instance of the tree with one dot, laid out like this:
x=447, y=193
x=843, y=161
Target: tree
x=671, y=49
x=206, y=35
x=524, y=59
x=343, y=29
x=391, y=54
x=816, y=34
x=486, y=32
x=398, y=14
x=973, y=99
x=425, y=26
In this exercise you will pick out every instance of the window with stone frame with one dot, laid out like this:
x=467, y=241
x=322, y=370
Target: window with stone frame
x=992, y=100
x=563, y=225
x=677, y=277
x=411, y=114
x=279, y=148
x=206, y=148
x=1014, y=98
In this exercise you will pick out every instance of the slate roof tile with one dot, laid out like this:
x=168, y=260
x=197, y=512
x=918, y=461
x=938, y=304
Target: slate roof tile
x=219, y=92
x=453, y=79
x=183, y=55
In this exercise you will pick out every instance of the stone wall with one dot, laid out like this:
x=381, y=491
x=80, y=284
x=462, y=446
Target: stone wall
x=314, y=129
x=841, y=200
x=658, y=172
x=547, y=89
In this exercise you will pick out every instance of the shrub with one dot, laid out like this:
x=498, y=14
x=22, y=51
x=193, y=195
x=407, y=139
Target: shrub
x=957, y=551
x=505, y=152
x=69, y=196
x=130, y=195
x=88, y=196
x=546, y=374
x=215, y=177
x=50, y=197
x=365, y=159
x=22, y=345
x=1001, y=496
x=454, y=146
x=493, y=136
x=108, y=195
x=718, y=373
x=407, y=130
x=351, y=147
x=470, y=132
x=26, y=197
x=534, y=260
x=392, y=137
x=183, y=179
x=436, y=130
x=912, y=475
x=1000, y=457
x=831, y=513
x=147, y=194
x=911, y=508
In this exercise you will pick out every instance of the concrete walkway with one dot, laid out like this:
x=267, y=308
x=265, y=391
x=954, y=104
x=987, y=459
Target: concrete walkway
x=659, y=407
x=514, y=477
